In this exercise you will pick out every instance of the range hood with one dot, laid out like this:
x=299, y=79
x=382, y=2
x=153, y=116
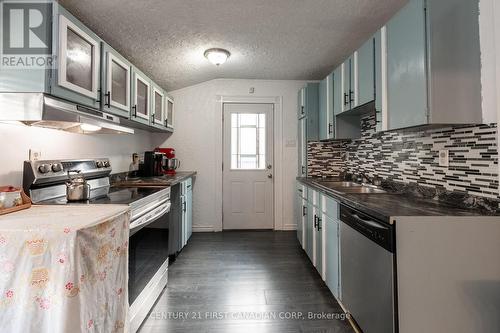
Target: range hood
x=42, y=110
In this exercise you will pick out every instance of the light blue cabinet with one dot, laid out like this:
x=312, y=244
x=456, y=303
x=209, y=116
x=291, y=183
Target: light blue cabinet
x=301, y=103
x=338, y=101
x=378, y=80
x=189, y=210
x=312, y=111
x=301, y=204
x=308, y=112
x=75, y=78
x=141, y=97
x=332, y=255
x=326, y=112
x=310, y=230
x=347, y=84
x=323, y=110
x=365, y=73
x=186, y=210
x=406, y=67
x=299, y=214
x=158, y=117
x=434, y=64
x=321, y=218
x=302, y=147
x=115, y=82
x=318, y=262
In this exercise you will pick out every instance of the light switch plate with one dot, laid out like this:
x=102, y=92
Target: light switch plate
x=35, y=154
x=444, y=158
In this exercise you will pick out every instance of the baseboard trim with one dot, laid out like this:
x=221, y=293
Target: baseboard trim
x=203, y=229
x=289, y=227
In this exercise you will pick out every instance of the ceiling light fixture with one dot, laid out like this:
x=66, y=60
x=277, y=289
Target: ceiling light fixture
x=217, y=56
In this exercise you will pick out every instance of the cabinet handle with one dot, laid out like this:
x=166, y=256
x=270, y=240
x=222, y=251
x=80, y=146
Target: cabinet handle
x=98, y=94
x=345, y=99
x=166, y=122
x=135, y=110
x=184, y=206
x=302, y=109
x=351, y=93
x=315, y=221
x=319, y=224
x=153, y=118
x=303, y=170
x=330, y=128
x=107, y=99
x=304, y=210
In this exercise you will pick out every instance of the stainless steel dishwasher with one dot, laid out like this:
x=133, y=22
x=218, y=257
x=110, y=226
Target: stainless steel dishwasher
x=367, y=271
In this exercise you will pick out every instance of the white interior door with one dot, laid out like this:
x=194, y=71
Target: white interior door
x=248, y=200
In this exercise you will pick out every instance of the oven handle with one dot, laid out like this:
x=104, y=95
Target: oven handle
x=150, y=217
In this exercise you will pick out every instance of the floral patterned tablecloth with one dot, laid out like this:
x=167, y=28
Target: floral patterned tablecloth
x=64, y=269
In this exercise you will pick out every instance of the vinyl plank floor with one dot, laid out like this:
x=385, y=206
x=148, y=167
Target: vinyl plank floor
x=245, y=281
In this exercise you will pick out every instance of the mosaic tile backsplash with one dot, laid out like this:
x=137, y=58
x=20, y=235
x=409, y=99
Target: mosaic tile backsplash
x=412, y=157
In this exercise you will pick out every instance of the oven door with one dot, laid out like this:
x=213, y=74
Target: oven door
x=148, y=261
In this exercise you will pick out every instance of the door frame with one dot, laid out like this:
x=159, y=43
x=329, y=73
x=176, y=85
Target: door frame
x=277, y=147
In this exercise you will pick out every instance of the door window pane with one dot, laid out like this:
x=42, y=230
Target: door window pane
x=79, y=62
x=118, y=83
x=158, y=106
x=248, y=141
x=142, y=97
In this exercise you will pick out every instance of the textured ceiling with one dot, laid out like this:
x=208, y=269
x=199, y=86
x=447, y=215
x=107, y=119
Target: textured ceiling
x=268, y=39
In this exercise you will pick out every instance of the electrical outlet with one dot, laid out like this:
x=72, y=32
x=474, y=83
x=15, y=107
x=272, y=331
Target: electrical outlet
x=35, y=154
x=444, y=158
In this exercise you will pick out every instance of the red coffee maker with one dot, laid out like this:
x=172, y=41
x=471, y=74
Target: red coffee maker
x=169, y=163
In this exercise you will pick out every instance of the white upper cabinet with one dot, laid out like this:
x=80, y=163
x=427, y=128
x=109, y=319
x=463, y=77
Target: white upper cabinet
x=116, y=84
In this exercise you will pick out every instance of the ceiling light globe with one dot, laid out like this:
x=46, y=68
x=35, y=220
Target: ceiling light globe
x=217, y=56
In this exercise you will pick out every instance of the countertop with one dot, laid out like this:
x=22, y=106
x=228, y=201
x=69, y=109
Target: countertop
x=122, y=179
x=387, y=206
x=62, y=265
x=58, y=217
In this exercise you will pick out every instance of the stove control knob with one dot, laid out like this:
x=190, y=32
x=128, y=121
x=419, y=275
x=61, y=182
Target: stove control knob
x=44, y=168
x=106, y=164
x=100, y=164
x=57, y=167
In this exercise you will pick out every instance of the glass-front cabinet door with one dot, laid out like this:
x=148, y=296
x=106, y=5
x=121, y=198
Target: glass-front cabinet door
x=141, y=98
x=78, y=62
x=158, y=115
x=116, y=82
x=170, y=112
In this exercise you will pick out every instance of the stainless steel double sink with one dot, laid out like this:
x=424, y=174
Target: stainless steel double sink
x=350, y=187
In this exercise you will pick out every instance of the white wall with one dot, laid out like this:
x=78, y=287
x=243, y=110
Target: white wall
x=16, y=140
x=198, y=143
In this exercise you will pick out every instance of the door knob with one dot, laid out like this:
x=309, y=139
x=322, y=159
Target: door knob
x=269, y=166
x=270, y=176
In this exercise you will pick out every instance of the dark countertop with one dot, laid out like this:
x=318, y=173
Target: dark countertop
x=122, y=179
x=386, y=205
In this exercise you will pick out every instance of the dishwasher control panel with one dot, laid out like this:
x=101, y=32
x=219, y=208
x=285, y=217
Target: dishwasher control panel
x=380, y=232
